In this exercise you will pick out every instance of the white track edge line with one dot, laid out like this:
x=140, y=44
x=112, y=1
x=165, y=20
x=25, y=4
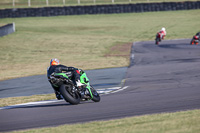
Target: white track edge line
x=110, y=90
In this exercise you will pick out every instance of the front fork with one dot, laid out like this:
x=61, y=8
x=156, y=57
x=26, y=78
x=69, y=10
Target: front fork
x=89, y=89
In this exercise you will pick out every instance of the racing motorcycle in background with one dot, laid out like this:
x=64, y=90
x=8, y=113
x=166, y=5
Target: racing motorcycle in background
x=158, y=38
x=195, y=40
x=70, y=92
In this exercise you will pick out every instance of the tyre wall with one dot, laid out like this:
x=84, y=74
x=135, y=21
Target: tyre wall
x=99, y=9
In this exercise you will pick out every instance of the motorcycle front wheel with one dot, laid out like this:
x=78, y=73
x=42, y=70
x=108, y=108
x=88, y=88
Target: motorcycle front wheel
x=157, y=40
x=68, y=95
x=96, y=97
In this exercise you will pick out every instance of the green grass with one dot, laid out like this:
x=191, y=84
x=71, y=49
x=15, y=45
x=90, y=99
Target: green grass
x=83, y=41
x=42, y=3
x=178, y=122
x=25, y=99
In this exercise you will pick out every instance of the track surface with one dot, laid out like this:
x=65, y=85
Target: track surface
x=26, y=86
x=164, y=78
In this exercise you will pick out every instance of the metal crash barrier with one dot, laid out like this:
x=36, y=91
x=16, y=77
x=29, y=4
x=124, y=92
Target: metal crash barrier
x=7, y=29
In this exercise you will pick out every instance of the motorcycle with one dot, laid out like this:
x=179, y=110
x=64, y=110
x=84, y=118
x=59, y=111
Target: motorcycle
x=70, y=92
x=158, y=38
x=195, y=40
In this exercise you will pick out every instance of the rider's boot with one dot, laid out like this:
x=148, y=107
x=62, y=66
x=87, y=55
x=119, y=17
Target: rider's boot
x=86, y=93
x=58, y=95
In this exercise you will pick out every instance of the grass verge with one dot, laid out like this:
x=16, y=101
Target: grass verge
x=178, y=122
x=25, y=99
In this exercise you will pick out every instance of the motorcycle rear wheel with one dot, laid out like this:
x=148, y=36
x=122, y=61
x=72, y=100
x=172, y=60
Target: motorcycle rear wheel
x=69, y=96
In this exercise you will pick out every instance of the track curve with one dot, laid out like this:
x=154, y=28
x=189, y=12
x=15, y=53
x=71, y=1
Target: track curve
x=162, y=78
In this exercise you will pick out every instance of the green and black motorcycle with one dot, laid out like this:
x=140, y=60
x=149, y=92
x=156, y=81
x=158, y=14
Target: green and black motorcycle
x=72, y=93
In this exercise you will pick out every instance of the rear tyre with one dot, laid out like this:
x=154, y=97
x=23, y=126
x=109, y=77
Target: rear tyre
x=96, y=97
x=68, y=95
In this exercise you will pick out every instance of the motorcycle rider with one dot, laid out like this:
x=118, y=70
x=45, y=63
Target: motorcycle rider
x=163, y=32
x=196, y=37
x=56, y=67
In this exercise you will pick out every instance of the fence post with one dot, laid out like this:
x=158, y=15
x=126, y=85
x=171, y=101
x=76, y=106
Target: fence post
x=63, y=2
x=113, y=1
x=94, y=1
x=130, y=1
x=13, y=26
x=47, y=2
x=79, y=2
x=13, y=3
x=29, y=3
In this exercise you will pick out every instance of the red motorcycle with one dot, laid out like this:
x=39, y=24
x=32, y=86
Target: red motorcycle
x=159, y=37
x=195, y=40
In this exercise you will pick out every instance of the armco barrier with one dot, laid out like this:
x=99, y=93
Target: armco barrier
x=7, y=29
x=99, y=9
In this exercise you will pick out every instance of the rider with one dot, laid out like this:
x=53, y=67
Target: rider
x=198, y=35
x=163, y=32
x=56, y=67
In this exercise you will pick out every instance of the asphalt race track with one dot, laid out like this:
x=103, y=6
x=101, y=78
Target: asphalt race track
x=34, y=85
x=163, y=78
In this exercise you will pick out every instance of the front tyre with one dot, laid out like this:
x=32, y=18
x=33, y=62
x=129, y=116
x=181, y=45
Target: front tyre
x=68, y=95
x=96, y=97
x=157, y=40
